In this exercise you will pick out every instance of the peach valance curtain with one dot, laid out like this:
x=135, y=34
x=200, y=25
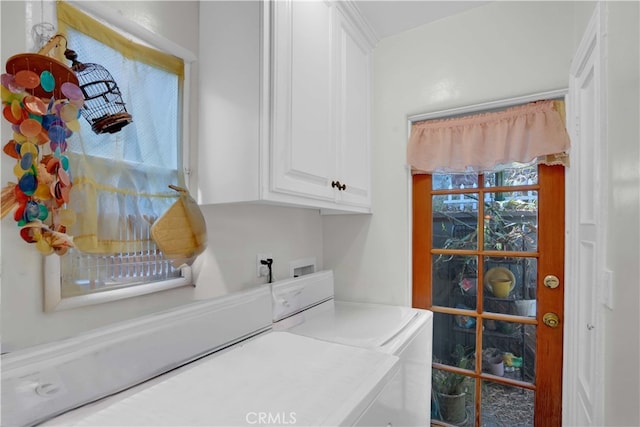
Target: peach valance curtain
x=482, y=142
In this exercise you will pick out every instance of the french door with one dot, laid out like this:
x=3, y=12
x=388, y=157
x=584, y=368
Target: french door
x=488, y=260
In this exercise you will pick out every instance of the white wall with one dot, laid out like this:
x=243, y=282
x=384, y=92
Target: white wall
x=499, y=50
x=496, y=51
x=235, y=233
x=623, y=250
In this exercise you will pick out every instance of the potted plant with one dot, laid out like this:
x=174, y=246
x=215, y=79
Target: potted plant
x=450, y=389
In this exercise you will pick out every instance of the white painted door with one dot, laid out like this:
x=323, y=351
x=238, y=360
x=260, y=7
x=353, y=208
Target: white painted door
x=353, y=107
x=586, y=275
x=303, y=147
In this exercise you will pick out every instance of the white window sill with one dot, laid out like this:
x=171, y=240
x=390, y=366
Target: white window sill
x=53, y=300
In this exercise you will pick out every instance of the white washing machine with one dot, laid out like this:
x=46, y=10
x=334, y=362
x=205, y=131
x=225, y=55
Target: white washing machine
x=276, y=379
x=306, y=306
x=214, y=363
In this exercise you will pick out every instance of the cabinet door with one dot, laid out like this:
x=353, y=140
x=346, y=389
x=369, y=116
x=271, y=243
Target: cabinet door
x=229, y=101
x=353, y=81
x=303, y=149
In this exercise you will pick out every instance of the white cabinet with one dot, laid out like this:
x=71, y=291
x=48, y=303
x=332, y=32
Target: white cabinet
x=353, y=59
x=232, y=108
x=284, y=105
x=302, y=138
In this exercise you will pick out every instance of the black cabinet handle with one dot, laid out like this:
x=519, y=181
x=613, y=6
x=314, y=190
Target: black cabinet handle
x=338, y=185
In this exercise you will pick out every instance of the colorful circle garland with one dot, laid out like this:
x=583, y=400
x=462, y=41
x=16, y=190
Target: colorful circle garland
x=41, y=128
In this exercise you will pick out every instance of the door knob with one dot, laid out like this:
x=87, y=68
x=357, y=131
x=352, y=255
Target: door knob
x=551, y=320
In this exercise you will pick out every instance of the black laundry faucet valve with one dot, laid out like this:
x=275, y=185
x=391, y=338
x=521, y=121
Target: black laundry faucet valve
x=268, y=262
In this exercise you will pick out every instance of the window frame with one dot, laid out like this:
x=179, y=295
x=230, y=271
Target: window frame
x=53, y=300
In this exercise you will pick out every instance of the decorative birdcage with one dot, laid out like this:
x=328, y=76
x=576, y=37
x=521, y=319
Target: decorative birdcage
x=104, y=108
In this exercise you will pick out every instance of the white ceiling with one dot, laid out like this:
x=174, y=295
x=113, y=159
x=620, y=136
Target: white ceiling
x=390, y=17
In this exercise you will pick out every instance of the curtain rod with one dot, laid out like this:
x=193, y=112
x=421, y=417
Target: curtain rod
x=489, y=106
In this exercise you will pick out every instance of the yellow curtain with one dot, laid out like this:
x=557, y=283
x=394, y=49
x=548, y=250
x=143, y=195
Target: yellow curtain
x=68, y=16
x=481, y=142
x=117, y=200
x=116, y=204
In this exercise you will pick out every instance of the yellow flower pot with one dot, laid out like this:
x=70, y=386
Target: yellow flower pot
x=502, y=288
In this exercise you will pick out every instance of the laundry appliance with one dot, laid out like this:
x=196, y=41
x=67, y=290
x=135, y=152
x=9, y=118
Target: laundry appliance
x=306, y=306
x=215, y=363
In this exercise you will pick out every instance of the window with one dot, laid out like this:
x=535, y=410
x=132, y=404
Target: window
x=121, y=179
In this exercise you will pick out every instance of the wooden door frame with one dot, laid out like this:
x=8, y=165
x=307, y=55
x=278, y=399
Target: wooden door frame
x=551, y=247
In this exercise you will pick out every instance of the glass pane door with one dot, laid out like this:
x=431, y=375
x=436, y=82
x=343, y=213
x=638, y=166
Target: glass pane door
x=484, y=254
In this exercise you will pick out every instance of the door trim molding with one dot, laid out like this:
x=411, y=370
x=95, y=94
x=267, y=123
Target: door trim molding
x=486, y=107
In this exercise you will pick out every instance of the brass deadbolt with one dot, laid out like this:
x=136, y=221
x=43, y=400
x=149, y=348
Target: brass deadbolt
x=551, y=281
x=551, y=320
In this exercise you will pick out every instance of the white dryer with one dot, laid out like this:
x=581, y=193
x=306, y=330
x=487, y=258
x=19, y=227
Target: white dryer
x=213, y=363
x=306, y=306
x=276, y=379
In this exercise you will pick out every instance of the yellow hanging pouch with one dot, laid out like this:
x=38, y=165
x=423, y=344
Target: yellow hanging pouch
x=181, y=232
